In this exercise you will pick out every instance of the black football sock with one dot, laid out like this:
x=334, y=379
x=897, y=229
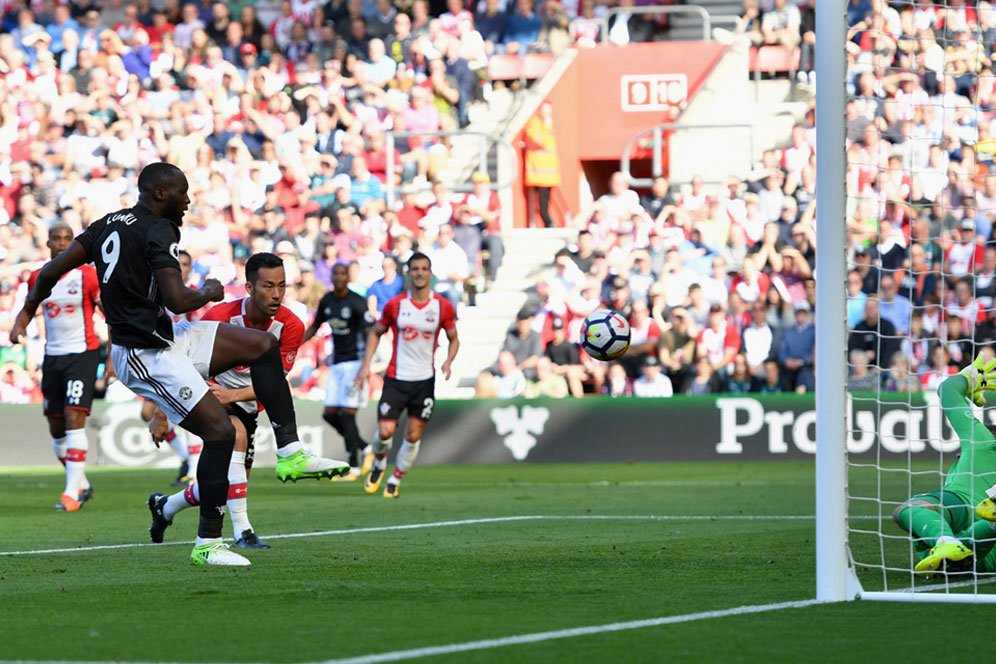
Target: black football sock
x=334, y=420
x=352, y=435
x=270, y=386
x=212, y=484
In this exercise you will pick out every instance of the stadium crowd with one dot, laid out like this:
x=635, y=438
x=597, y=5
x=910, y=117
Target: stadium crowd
x=717, y=280
x=277, y=111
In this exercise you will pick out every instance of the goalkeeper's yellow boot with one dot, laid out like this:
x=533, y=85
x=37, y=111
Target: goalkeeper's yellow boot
x=940, y=555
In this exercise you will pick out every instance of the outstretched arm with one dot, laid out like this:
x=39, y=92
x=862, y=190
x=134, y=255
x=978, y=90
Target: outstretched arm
x=955, y=393
x=178, y=298
x=48, y=277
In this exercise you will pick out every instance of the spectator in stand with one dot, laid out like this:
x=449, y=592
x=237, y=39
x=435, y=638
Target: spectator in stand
x=740, y=380
x=677, y=346
x=875, y=336
x=184, y=31
x=772, y=383
x=651, y=383
x=468, y=238
x=760, y=340
x=617, y=384
x=522, y=28
x=658, y=198
x=894, y=307
x=861, y=377
x=542, y=163
x=399, y=43
x=965, y=306
x=939, y=369
x=796, y=351
x=524, y=346
x=620, y=201
x=901, y=377
x=490, y=23
x=965, y=254
x=583, y=254
x=856, y=298
x=385, y=288
x=485, y=215
x=959, y=342
x=703, y=380
x=547, y=383
x=449, y=266
x=644, y=338
x=363, y=186
x=382, y=20
x=511, y=382
x=565, y=357
x=718, y=342
x=380, y=67
x=16, y=385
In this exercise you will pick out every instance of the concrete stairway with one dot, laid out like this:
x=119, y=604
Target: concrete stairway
x=528, y=259
x=688, y=27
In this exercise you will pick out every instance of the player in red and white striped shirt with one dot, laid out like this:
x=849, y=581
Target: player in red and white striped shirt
x=266, y=284
x=70, y=366
x=416, y=319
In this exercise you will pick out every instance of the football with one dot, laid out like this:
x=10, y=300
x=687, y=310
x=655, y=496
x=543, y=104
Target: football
x=605, y=334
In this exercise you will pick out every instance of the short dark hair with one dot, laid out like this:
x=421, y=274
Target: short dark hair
x=339, y=265
x=157, y=175
x=184, y=252
x=60, y=226
x=418, y=256
x=259, y=261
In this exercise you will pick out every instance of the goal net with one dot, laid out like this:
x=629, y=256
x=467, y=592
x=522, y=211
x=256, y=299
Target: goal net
x=920, y=279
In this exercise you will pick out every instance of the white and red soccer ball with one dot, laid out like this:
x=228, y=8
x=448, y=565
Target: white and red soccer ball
x=605, y=334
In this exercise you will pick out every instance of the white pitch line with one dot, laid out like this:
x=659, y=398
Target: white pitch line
x=439, y=524
x=536, y=637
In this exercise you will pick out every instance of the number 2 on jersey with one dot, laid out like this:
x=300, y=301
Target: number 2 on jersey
x=110, y=251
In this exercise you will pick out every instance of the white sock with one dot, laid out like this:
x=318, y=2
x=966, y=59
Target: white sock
x=289, y=449
x=179, y=446
x=405, y=459
x=237, y=494
x=76, y=447
x=59, y=447
x=381, y=446
x=207, y=540
x=181, y=500
x=194, y=447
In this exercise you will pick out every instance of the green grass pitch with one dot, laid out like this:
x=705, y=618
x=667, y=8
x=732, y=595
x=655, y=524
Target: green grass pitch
x=326, y=597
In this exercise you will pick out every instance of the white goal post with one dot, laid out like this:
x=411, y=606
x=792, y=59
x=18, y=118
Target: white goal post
x=832, y=569
x=839, y=574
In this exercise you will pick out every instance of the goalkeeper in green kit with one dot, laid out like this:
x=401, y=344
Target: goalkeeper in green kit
x=944, y=524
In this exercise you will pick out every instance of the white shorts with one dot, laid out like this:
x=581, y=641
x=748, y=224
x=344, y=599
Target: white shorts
x=340, y=390
x=173, y=378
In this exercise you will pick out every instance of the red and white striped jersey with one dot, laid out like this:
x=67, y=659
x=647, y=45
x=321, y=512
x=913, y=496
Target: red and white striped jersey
x=416, y=327
x=285, y=326
x=69, y=312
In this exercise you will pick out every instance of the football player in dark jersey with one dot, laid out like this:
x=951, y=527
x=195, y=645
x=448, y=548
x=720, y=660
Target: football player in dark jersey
x=135, y=252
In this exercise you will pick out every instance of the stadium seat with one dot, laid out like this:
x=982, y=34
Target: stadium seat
x=774, y=59
x=536, y=65
x=505, y=68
